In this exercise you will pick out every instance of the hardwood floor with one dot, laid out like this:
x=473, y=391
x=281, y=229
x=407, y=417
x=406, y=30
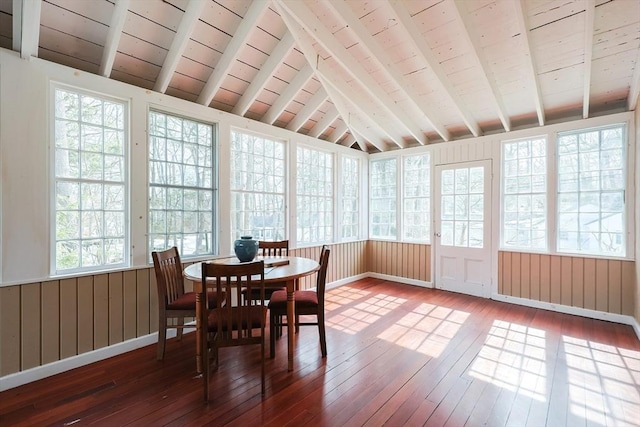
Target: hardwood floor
x=398, y=355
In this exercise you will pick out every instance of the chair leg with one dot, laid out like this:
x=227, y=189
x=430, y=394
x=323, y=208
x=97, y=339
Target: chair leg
x=297, y=323
x=323, y=335
x=262, y=356
x=272, y=335
x=179, y=330
x=162, y=337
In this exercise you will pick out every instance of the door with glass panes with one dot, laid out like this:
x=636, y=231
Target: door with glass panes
x=462, y=237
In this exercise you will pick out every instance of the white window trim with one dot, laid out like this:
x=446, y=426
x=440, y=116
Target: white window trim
x=53, y=272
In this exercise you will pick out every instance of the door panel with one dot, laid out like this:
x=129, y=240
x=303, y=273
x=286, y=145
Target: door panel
x=463, y=227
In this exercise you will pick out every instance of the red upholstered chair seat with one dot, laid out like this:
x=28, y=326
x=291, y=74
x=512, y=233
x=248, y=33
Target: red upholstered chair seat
x=304, y=300
x=187, y=301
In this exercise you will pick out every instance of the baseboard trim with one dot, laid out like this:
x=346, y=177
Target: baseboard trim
x=59, y=366
x=577, y=311
x=347, y=280
x=404, y=280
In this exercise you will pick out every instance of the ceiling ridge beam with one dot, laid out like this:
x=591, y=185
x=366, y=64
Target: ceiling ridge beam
x=305, y=46
x=118, y=18
x=384, y=61
x=312, y=25
x=523, y=26
x=258, y=83
x=472, y=39
x=255, y=11
x=406, y=21
x=28, y=26
x=183, y=34
x=321, y=125
x=589, y=19
x=307, y=111
x=295, y=86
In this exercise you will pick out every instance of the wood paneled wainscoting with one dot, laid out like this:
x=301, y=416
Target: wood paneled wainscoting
x=50, y=321
x=405, y=260
x=604, y=285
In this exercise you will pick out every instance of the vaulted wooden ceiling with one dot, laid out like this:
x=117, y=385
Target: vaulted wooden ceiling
x=373, y=74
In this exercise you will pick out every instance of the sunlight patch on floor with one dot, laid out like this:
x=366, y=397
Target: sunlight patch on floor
x=341, y=296
x=513, y=357
x=604, y=382
x=353, y=320
x=427, y=329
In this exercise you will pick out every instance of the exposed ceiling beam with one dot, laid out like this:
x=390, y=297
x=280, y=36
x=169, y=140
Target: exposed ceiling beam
x=312, y=25
x=589, y=18
x=349, y=140
x=429, y=57
x=383, y=60
x=523, y=27
x=249, y=21
x=307, y=111
x=467, y=30
x=183, y=34
x=26, y=22
x=17, y=25
x=634, y=89
x=270, y=66
x=338, y=132
x=329, y=117
x=295, y=86
x=304, y=45
x=116, y=25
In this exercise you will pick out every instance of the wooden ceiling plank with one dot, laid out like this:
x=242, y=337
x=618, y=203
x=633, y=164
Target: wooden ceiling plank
x=258, y=83
x=523, y=27
x=589, y=19
x=255, y=11
x=414, y=35
x=307, y=111
x=183, y=34
x=112, y=41
x=468, y=32
x=312, y=25
x=329, y=117
x=384, y=61
x=295, y=86
x=28, y=24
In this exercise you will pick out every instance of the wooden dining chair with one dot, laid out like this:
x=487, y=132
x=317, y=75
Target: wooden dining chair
x=307, y=302
x=234, y=321
x=271, y=249
x=173, y=302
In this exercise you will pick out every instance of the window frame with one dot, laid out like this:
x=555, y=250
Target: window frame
x=357, y=198
x=215, y=186
x=549, y=144
x=332, y=213
x=286, y=186
x=403, y=197
x=396, y=198
x=54, y=271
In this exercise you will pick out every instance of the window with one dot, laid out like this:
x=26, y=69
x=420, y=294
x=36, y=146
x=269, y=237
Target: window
x=90, y=182
x=314, y=196
x=350, y=198
x=382, y=204
x=257, y=187
x=416, y=212
x=182, y=193
x=524, y=194
x=462, y=211
x=591, y=191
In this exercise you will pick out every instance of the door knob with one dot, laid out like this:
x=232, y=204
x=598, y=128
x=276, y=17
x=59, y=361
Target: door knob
x=436, y=234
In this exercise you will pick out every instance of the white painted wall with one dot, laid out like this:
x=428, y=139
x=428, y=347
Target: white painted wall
x=25, y=138
x=637, y=218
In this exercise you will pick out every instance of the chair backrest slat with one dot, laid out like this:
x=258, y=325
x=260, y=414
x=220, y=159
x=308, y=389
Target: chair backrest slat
x=277, y=248
x=169, y=278
x=322, y=275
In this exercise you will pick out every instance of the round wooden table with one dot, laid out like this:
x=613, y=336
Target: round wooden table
x=295, y=268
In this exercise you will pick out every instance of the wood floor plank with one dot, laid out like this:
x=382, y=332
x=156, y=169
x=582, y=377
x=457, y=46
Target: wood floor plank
x=398, y=355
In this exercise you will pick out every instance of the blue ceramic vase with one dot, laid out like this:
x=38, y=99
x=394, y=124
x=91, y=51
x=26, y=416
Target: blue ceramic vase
x=245, y=248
